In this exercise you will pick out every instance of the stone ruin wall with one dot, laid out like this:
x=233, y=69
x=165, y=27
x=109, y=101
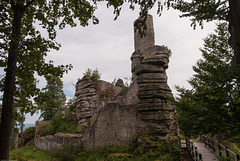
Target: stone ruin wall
x=91, y=96
x=152, y=115
x=111, y=117
x=115, y=115
x=115, y=124
x=51, y=142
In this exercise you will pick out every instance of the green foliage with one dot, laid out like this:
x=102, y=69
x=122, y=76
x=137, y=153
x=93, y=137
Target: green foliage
x=166, y=151
x=23, y=48
x=92, y=74
x=212, y=106
x=28, y=134
x=52, y=98
x=169, y=52
x=71, y=104
x=27, y=153
x=64, y=123
x=66, y=153
x=45, y=129
x=203, y=10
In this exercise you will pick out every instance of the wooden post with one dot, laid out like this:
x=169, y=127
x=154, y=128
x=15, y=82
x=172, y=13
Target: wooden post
x=192, y=150
x=196, y=153
x=213, y=145
x=238, y=158
x=227, y=153
x=200, y=157
x=219, y=149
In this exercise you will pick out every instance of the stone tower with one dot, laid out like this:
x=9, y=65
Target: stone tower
x=149, y=64
x=140, y=43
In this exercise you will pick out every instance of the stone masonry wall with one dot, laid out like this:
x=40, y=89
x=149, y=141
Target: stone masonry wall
x=114, y=125
x=51, y=142
x=91, y=96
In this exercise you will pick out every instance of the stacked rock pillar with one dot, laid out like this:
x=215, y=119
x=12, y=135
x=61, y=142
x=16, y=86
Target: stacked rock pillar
x=87, y=102
x=155, y=113
x=149, y=64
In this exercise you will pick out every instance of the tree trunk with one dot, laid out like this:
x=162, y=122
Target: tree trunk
x=9, y=85
x=22, y=121
x=16, y=140
x=234, y=28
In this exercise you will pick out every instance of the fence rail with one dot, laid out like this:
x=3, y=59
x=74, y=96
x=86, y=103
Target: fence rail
x=192, y=149
x=219, y=148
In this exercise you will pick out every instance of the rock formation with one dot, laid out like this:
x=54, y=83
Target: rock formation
x=91, y=96
x=149, y=64
x=110, y=114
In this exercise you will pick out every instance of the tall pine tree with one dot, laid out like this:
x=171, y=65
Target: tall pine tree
x=213, y=103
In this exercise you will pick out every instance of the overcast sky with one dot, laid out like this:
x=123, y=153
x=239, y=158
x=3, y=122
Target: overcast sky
x=109, y=45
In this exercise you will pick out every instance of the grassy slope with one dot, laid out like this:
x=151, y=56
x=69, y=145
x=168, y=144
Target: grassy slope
x=27, y=153
x=168, y=151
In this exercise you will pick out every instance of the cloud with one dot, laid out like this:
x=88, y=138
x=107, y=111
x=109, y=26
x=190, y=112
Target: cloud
x=109, y=45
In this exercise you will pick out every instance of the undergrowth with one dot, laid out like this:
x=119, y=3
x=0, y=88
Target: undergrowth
x=167, y=151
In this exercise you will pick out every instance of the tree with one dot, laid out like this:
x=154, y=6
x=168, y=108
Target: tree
x=17, y=29
x=213, y=105
x=205, y=10
x=52, y=98
x=18, y=32
x=92, y=73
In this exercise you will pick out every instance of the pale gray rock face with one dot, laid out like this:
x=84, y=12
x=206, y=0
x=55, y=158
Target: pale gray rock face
x=113, y=115
x=141, y=43
x=110, y=114
x=156, y=115
x=119, y=83
x=91, y=96
x=114, y=124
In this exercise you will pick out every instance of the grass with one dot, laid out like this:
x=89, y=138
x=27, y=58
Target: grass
x=168, y=151
x=27, y=153
x=236, y=149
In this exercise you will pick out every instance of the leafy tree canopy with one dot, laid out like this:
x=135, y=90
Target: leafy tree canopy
x=52, y=98
x=92, y=73
x=213, y=103
x=203, y=10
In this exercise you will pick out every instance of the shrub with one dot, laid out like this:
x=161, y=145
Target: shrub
x=165, y=151
x=28, y=134
x=45, y=129
x=66, y=153
x=64, y=123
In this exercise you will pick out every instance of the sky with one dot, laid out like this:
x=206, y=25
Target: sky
x=109, y=45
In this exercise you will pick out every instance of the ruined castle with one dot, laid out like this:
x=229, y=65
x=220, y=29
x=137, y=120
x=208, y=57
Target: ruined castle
x=110, y=114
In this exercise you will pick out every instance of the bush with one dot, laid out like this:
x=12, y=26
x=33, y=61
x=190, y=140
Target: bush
x=64, y=124
x=45, y=129
x=165, y=151
x=28, y=134
x=66, y=153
